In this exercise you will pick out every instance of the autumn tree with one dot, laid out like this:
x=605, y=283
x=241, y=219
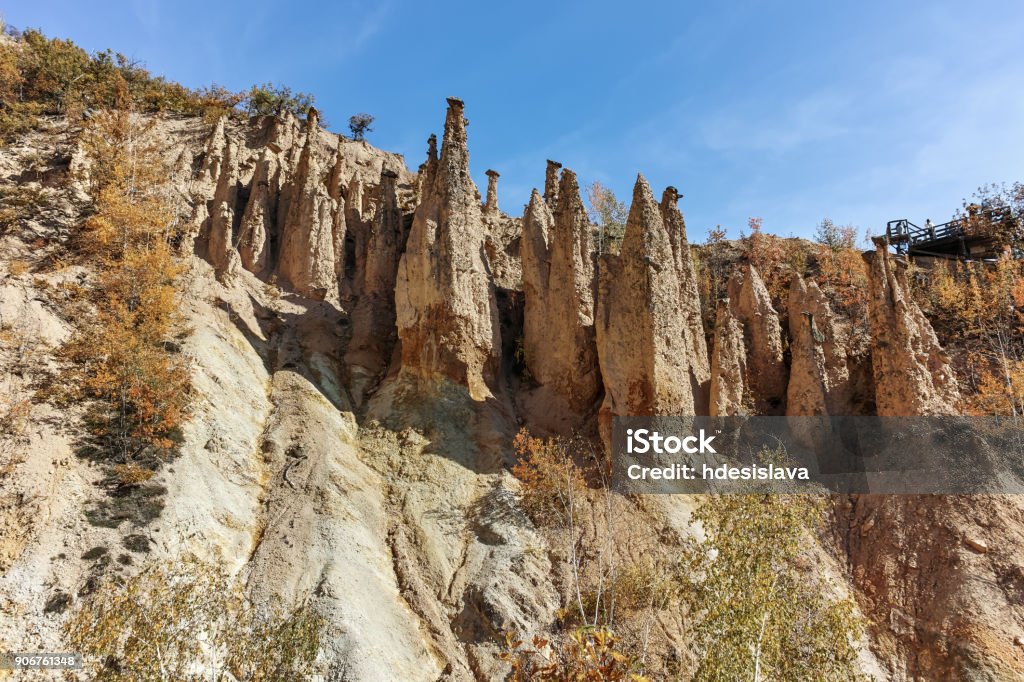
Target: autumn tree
x=269, y=99
x=187, y=620
x=588, y=653
x=756, y=614
x=609, y=214
x=565, y=490
x=124, y=347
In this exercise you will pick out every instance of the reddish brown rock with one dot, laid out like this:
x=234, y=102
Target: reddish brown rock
x=762, y=334
x=912, y=372
x=819, y=378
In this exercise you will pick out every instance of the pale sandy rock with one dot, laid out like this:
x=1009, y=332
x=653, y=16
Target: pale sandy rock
x=339, y=227
x=373, y=320
x=689, y=301
x=307, y=231
x=258, y=221
x=641, y=336
x=559, y=337
x=221, y=247
x=491, y=205
x=502, y=244
x=446, y=311
x=551, y=182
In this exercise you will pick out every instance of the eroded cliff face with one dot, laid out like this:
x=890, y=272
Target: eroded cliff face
x=355, y=403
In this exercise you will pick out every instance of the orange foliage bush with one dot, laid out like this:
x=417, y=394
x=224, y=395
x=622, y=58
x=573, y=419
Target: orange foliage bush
x=584, y=655
x=551, y=479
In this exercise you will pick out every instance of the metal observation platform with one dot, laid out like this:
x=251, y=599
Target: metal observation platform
x=970, y=236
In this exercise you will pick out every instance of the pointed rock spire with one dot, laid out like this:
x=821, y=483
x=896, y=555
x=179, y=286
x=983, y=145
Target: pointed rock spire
x=911, y=370
x=336, y=191
x=445, y=306
x=819, y=377
x=491, y=206
x=373, y=321
x=728, y=365
x=307, y=232
x=551, y=182
x=689, y=300
x=640, y=330
x=258, y=220
x=221, y=246
x=766, y=368
x=538, y=223
x=558, y=280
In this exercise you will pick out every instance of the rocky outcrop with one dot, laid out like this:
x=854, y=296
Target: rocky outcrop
x=491, y=205
x=307, y=229
x=551, y=182
x=640, y=325
x=258, y=221
x=762, y=333
x=689, y=301
x=373, y=321
x=819, y=377
x=538, y=223
x=558, y=277
x=912, y=372
x=446, y=312
x=728, y=365
x=220, y=246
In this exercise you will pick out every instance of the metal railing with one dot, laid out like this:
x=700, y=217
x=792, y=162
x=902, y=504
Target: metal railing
x=905, y=236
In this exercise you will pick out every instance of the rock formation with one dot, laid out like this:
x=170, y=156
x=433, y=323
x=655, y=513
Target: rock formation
x=912, y=372
x=491, y=206
x=258, y=220
x=728, y=365
x=446, y=312
x=558, y=276
x=689, y=300
x=373, y=321
x=641, y=329
x=220, y=246
x=551, y=182
x=307, y=229
x=766, y=369
x=819, y=378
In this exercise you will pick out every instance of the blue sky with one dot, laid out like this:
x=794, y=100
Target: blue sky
x=786, y=110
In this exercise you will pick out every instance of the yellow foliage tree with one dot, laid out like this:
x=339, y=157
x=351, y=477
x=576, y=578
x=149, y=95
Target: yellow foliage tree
x=123, y=345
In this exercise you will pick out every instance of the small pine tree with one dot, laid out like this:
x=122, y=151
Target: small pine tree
x=360, y=125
